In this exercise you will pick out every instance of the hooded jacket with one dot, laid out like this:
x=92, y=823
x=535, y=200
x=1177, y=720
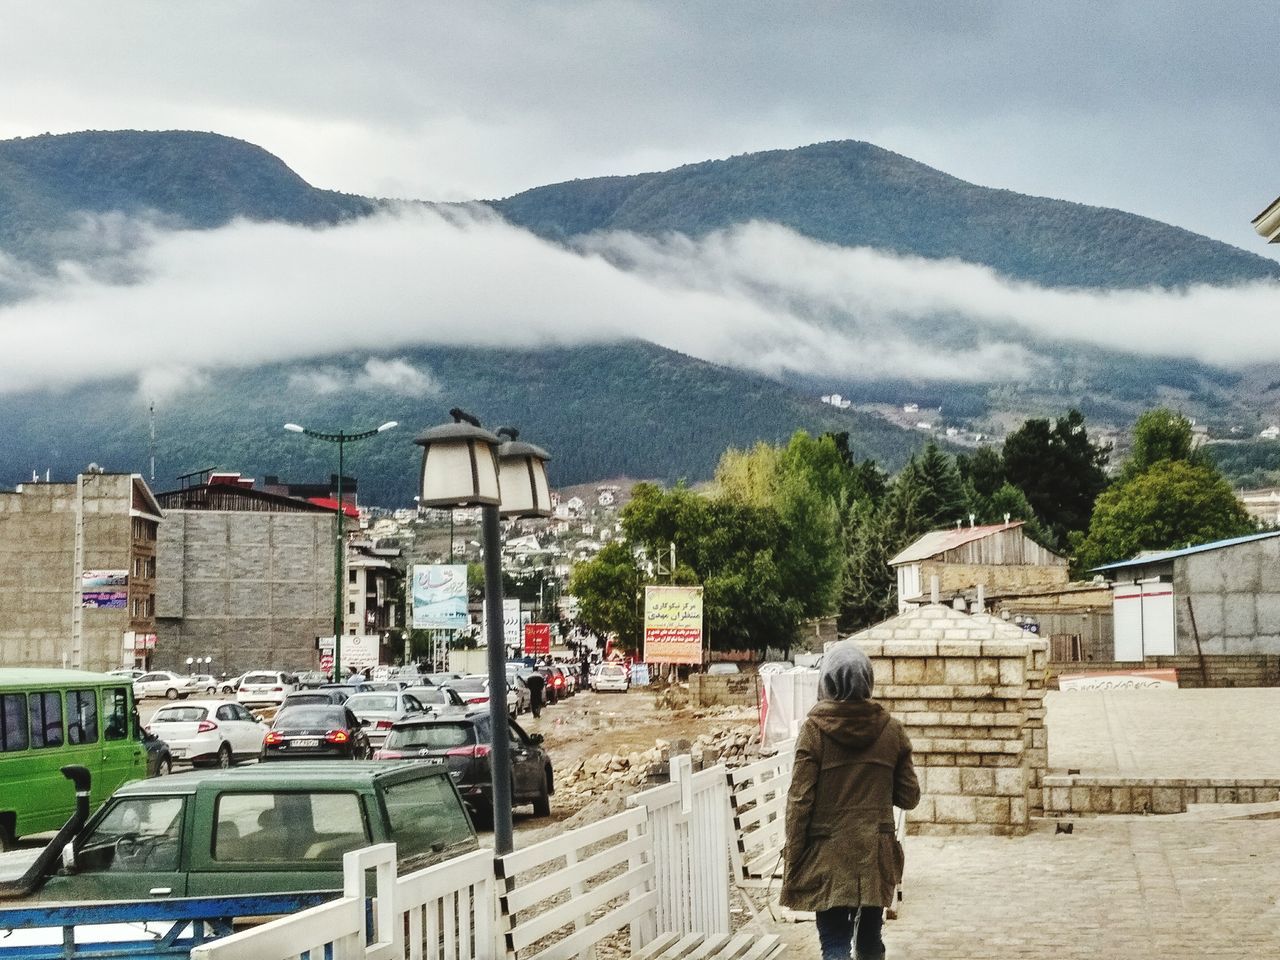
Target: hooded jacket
x=852, y=767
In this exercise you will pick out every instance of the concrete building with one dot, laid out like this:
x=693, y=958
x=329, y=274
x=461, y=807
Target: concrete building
x=374, y=590
x=1263, y=505
x=1075, y=618
x=79, y=561
x=1215, y=598
x=1001, y=558
x=243, y=576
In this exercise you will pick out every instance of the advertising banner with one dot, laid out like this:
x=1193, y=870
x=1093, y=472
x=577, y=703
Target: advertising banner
x=673, y=625
x=512, y=624
x=1163, y=679
x=104, y=600
x=98, y=581
x=537, y=638
x=440, y=596
x=360, y=651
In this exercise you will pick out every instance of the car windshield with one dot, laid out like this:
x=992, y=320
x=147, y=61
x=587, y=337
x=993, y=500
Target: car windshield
x=469, y=684
x=180, y=715
x=432, y=736
x=303, y=699
x=260, y=678
x=430, y=694
x=614, y=671
x=296, y=718
x=373, y=701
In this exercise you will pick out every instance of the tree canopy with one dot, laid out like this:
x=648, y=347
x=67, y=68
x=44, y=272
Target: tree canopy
x=1171, y=504
x=1060, y=470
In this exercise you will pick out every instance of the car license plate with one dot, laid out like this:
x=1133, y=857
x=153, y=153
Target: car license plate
x=304, y=743
x=177, y=754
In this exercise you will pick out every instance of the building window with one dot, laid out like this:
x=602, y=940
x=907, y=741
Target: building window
x=351, y=607
x=351, y=576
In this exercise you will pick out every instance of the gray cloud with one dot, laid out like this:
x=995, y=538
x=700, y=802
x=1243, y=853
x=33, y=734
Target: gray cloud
x=396, y=376
x=757, y=296
x=1159, y=106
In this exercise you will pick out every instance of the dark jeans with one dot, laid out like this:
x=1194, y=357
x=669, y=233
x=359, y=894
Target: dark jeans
x=835, y=932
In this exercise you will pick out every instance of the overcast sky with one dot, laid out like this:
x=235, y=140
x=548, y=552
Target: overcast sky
x=1164, y=108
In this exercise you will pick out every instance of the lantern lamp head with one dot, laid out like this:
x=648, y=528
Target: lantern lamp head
x=459, y=464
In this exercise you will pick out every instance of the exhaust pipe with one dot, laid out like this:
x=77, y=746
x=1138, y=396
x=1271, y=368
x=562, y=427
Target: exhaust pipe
x=44, y=864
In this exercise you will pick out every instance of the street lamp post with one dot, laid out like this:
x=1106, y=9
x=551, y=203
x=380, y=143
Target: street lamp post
x=341, y=438
x=464, y=465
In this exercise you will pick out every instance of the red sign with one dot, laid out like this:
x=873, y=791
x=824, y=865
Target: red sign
x=537, y=638
x=326, y=662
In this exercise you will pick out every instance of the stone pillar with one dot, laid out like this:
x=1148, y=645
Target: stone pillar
x=970, y=692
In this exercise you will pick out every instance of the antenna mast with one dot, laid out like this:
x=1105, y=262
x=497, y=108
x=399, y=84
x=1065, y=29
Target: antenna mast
x=152, y=444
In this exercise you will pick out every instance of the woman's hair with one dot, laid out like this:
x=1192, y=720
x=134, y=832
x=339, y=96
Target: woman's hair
x=846, y=673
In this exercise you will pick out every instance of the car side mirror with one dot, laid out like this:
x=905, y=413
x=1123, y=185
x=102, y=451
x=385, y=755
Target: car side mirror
x=69, y=859
x=535, y=738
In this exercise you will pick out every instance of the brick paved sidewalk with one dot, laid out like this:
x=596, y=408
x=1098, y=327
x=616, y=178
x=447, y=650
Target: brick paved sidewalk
x=1165, y=733
x=1138, y=888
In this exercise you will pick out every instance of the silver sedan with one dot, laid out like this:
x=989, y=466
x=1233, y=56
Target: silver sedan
x=378, y=710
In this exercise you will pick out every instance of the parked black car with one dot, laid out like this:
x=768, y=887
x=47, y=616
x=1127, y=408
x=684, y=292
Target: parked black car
x=316, y=731
x=464, y=743
x=159, y=761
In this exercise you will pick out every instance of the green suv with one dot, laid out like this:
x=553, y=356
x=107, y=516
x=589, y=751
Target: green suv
x=267, y=828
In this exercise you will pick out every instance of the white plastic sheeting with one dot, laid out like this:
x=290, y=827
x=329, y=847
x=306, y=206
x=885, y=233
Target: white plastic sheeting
x=785, y=700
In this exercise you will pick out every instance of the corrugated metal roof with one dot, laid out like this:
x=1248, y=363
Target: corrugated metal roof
x=1148, y=557
x=940, y=541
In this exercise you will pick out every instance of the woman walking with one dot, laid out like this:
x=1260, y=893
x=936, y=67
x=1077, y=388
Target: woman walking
x=852, y=767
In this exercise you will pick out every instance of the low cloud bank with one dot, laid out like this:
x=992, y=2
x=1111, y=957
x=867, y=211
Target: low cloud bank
x=757, y=296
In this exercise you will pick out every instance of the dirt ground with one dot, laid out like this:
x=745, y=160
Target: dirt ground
x=617, y=723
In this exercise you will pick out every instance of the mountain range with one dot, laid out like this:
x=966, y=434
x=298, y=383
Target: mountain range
x=623, y=408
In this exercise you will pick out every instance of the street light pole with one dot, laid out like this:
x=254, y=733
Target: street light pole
x=341, y=438
x=461, y=466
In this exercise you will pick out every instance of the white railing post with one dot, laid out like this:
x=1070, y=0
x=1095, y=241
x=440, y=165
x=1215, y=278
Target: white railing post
x=381, y=858
x=688, y=820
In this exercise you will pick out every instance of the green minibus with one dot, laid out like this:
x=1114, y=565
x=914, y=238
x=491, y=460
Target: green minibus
x=52, y=718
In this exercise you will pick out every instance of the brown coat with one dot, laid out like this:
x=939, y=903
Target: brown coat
x=852, y=767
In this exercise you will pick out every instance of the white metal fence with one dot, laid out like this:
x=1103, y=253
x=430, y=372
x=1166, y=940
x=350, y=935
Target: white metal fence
x=444, y=912
x=688, y=819
x=670, y=867
x=758, y=792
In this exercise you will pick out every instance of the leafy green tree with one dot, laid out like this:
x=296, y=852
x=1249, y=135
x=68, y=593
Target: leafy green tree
x=868, y=587
x=983, y=470
x=1171, y=504
x=930, y=490
x=749, y=476
x=1060, y=470
x=1159, y=435
x=1010, y=501
x=608, y=592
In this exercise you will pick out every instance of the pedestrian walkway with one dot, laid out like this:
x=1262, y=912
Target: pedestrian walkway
x=1138, y=888
x=1165, y=733
x=1201, y=884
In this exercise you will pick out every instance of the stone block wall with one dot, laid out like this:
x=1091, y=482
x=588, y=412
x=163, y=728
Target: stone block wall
x=974, y=710
x=1067, y=796
x=724, y=690
x=1241, y=670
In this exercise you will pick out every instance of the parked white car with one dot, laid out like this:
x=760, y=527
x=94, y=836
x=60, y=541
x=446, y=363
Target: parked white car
x=129, y=673
x=611, y=676
x=263, y=686
x=208, y=731
x=164, y=683
x=379, y=709
x=206, y=682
